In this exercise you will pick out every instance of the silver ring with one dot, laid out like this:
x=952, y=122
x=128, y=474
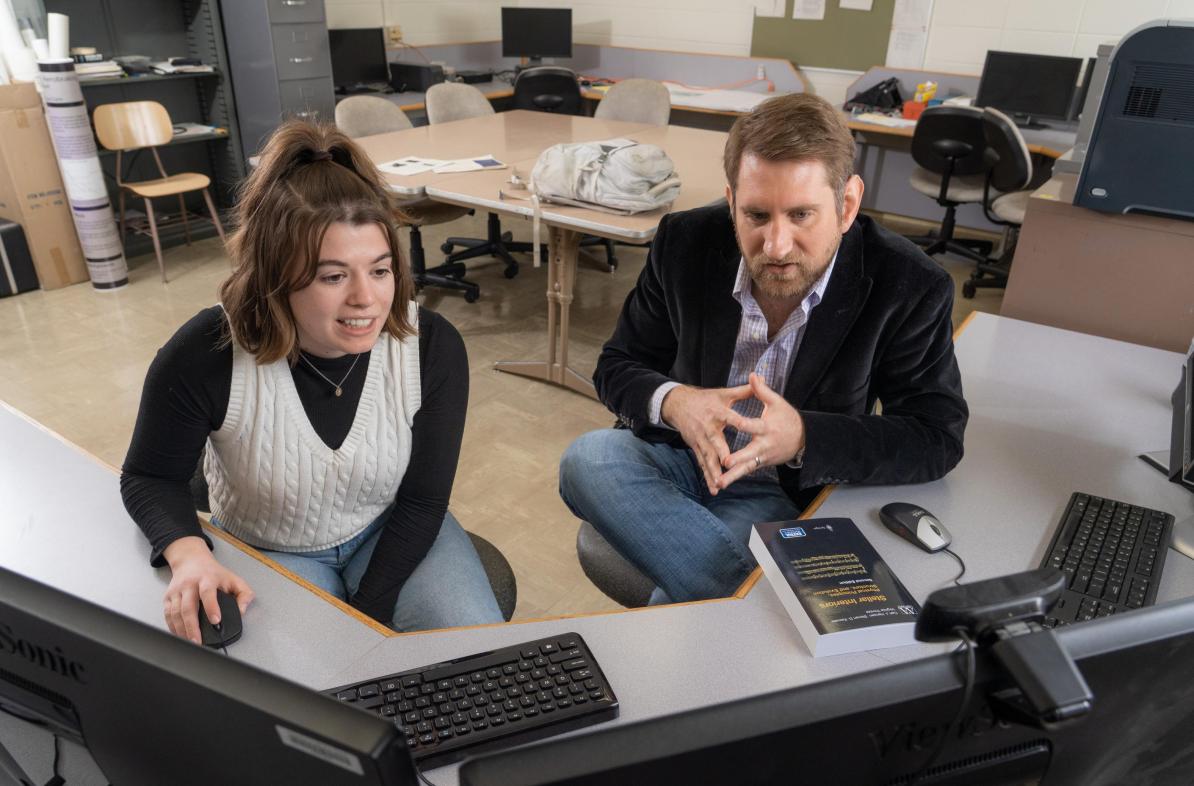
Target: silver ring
x=758, y=462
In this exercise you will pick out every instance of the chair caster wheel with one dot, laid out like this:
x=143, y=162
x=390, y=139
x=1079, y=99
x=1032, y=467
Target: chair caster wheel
x=447, y=248
x=471, y=296
x=510, y=272
x=968, y=289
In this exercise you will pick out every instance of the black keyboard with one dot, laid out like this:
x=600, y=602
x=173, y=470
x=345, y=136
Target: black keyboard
x=490, y=700
x=1112, y=554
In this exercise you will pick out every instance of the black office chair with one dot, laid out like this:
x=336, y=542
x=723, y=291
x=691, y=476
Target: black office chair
x=497, y=568
x=1005, y=197
x=547, y=89
x=951, y=151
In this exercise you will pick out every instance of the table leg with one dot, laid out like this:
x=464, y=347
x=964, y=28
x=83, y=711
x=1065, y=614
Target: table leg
x=561, y=278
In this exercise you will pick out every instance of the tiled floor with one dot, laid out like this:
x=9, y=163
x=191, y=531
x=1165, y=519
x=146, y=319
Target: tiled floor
x=75, y=358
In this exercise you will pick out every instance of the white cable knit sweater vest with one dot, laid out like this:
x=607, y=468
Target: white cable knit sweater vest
x=275, y=484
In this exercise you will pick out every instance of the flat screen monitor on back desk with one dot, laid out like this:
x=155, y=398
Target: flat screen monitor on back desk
x=1029, y=87
x=153, y=709
x=358, y=59
x=536, y=33
x=882, y=726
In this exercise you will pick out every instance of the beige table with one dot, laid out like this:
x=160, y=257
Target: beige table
x=508, y=136
x=697, y=156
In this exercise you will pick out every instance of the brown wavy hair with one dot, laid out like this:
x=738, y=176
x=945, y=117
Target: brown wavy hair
x=790, y=128
x=309, y=177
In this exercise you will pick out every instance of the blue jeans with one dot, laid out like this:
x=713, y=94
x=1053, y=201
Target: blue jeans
x=447, y=589
x=651, y=503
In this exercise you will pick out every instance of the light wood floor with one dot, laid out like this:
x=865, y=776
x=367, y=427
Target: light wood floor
x=75, y=358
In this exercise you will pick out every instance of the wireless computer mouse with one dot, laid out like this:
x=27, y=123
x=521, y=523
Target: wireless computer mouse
x=915, y=525
x=228, y=630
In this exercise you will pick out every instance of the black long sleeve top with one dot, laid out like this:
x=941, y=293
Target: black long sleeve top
x=185, y=399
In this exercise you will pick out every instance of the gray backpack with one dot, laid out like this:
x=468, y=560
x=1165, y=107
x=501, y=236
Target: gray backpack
x=613, y=175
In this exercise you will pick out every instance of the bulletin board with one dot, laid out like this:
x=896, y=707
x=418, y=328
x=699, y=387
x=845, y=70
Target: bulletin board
x=854, y=40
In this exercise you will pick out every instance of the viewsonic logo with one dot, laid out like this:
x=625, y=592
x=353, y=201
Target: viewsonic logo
x=49, y=658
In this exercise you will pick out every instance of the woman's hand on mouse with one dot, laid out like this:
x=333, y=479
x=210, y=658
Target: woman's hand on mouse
x=196, y=575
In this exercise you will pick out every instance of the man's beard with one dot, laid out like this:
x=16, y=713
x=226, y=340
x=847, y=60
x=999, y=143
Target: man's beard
x=800, y=274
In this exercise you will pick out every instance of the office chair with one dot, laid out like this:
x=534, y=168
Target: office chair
x=609, y=571
x=135, y=125
x=497, y=568
x=450, y=101
x=360, y=116
x=1005, y=197
x=951, y=151
x=634, y=101
x=547, y=89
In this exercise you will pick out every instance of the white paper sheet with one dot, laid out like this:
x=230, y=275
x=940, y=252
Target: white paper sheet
x=809, y=9
x=912, y=13
x=769, y=8
x=906, y=48
x=856, y=5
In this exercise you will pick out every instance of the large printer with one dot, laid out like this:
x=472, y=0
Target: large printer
x=1140, y=154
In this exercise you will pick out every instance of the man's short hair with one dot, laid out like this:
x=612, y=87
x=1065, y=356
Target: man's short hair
x=792, y=128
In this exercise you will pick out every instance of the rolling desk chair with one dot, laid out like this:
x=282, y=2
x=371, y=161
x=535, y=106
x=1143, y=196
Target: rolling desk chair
x=360, y=116
x=1011, y=174
x=450, y=101
x=547, y=89
x=951, y=152
x=497, y=568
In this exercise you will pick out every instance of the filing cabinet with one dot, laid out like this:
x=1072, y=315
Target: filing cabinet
x=280, y=63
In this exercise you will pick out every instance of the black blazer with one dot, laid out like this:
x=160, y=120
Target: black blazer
x=881, y=332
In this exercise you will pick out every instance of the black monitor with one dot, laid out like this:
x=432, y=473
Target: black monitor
x=1028, y=86
x=536, y=33
x=881, y=726
x=358, y=58
x=154, y=709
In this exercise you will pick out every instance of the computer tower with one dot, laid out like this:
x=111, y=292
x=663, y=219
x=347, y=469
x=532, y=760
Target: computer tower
x=415, y=78
x=1137, y=160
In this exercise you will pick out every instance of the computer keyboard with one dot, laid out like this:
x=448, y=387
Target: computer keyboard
x=490, y=700
x=1112, y=554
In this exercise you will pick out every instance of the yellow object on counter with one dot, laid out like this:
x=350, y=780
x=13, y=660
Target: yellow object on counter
x=925, y=91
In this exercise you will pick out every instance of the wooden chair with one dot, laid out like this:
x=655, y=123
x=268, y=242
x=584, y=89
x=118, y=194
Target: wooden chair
x=134, y=125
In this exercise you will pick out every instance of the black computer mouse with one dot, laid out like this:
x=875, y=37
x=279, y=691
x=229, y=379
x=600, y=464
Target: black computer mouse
x=915, y=525
x=228, y=630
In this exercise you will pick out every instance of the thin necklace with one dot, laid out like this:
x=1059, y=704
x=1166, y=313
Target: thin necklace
x=339, y=387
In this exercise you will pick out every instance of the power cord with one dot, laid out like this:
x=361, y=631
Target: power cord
x=960, y=562
x=967, y=692
x=422, y=777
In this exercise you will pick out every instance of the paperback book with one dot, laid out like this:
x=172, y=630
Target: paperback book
x=838, y=591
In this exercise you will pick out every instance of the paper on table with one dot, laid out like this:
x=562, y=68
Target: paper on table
x=808, y=9
x=414, y=165
x=410, y=165
x=877, y=119
x=469, y=165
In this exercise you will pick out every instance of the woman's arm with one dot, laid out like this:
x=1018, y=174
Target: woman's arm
x=184, y=399
x=422, y=499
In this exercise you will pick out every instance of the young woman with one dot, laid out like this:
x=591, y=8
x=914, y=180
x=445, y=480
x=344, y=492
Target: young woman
x=330, y=405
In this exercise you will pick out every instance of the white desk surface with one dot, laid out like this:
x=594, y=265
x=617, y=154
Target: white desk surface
x=1051, y=412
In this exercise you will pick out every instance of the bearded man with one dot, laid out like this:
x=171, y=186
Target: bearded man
x=747, y=362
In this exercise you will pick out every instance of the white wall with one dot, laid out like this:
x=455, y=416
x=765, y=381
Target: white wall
x=961, y=31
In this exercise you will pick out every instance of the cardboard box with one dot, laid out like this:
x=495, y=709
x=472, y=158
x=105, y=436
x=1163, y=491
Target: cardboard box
x=31, y=190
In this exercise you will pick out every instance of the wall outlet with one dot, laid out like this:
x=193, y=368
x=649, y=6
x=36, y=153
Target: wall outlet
x=393, y=35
